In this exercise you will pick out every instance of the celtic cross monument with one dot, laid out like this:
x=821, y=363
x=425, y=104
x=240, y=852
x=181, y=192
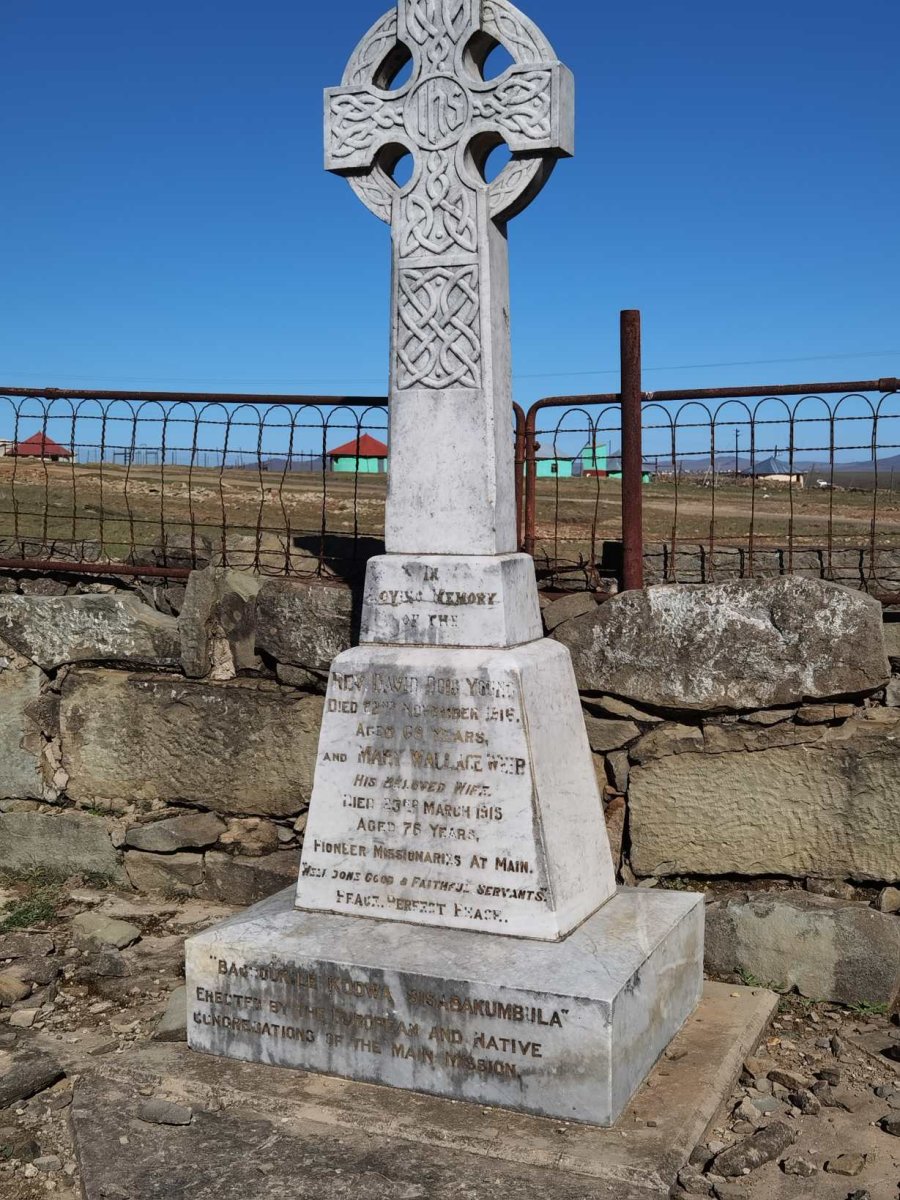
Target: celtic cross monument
x=456, y=927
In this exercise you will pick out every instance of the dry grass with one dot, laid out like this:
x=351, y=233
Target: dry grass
x=128, y=510
x=691, y=512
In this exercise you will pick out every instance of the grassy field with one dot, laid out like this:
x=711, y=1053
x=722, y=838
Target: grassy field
x=128, y=511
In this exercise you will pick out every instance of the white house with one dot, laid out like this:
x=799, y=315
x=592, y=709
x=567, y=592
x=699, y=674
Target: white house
x=776, y=470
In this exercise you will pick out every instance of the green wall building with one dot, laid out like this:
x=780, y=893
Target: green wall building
x=591, y=458
x=363, y=456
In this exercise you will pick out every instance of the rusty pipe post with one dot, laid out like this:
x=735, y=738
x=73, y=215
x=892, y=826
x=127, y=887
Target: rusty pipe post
x=519, y=415
x=632, y=452
x=530, y=480
x=72, y=567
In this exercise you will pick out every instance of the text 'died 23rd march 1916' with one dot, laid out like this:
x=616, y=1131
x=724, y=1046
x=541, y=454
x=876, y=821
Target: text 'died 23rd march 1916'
x=429, y=799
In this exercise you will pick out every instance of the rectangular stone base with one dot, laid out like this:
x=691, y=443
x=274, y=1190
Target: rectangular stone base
x=442, y=600
x=564, y=1029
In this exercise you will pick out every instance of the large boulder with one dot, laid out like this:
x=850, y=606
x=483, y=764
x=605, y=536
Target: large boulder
x=828, y=949
x=304, y=624
x=242, y=748
x=62, y=843
x=827, y=808
x=742, y=645
x=20, y=740
x=53, y=630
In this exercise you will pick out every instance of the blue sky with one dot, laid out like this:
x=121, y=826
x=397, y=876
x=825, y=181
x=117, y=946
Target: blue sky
x=166, y=221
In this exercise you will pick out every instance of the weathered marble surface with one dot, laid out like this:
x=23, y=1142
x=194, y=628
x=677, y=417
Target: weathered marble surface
x=450, y=360
x=377, y=1143
x=455, y=797
x=567, y=1029
x=442, y=600
x=456, y=788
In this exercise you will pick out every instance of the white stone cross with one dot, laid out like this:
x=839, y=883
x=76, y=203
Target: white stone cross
x=451, y=483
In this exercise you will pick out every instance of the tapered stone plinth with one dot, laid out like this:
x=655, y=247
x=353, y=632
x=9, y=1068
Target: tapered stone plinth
x=455, y=788
x=442, y=600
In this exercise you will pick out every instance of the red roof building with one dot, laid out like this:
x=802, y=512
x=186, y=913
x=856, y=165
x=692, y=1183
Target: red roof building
x=363, y=447
x=39, y=446
x=363, y=456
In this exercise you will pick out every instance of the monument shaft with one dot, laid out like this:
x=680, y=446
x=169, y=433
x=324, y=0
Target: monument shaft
x=451, y=782
x=450, y=358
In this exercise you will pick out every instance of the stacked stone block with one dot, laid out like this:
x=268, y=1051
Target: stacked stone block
x=747, y=730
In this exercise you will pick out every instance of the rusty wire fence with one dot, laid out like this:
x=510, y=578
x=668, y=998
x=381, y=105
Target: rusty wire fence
x=159, y=483
x=735, y=483
x=692, y=486
x=155, y=484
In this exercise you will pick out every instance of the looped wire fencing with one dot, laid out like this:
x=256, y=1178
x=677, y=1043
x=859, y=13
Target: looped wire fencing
x=737, y=483
x=162, y=483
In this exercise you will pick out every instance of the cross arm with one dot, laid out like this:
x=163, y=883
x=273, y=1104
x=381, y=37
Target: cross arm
x=532, y=107
x=359, y=122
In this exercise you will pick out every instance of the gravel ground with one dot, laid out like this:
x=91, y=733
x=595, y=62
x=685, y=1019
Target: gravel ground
x=816, y=1112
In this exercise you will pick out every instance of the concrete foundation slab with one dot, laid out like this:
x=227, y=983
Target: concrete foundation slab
x=565, y=1029
x=274, y=1134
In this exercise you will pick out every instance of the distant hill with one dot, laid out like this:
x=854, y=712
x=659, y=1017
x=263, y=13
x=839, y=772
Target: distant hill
x=725, y=464
x=889, y=463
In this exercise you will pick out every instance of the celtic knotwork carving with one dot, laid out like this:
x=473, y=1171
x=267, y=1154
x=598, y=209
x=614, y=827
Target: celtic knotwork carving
x=376, y=190
x=437, y=26
x=372, y=50
x=439, y=214
x=520, y=105
x=441, y=107
x=517, y=179
x=515, y=31
x=438, y=341
x=358, y=121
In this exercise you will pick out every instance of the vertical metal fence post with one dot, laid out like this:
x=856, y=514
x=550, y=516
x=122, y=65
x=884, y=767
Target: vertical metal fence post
x=632, y=452
x=530, y=481
x=519, y=414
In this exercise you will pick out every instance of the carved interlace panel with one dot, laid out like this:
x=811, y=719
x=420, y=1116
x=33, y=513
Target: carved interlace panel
x=438, y=26
x=438, y=218
x=519, y=107
x=372, y=50
x=438, y=340
x=516, y=180
x=376, y=191
x=439, y=214
x=519, y=35
x=359, y=122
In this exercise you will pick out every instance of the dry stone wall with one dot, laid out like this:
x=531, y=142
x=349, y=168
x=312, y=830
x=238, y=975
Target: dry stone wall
x=145, y=736
x=750, y=741
x=750, y=726
x=740, y=731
